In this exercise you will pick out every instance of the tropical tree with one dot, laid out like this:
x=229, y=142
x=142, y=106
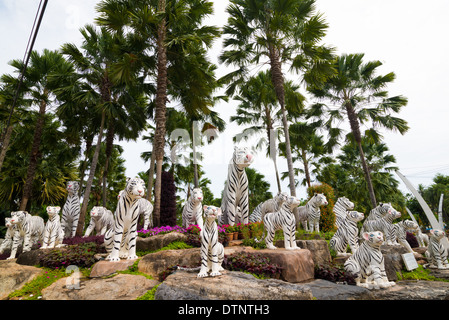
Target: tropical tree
x=258, y=188
x=285, y=33
x=358, y=93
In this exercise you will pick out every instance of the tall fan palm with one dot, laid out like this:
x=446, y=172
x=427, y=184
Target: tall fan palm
x=285, y=33
x=357, y=92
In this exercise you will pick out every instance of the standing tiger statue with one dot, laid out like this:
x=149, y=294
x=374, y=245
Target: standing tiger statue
x=29, y=228
x=235, y=193
x=212, y=251
x=436, y=253
x=192, y=211
x=54, y=233
x=9, y=236
x=282, y=219
x=384, y=223
x=71, y=210
x=120, y=241
x=309, y=215
x=101, y=220
x=347, y=233
x=270, y=205
x=145, y=209
x=340, y=210
x=367, y=263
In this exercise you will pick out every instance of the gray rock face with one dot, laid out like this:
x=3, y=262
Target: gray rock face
x=13, y=276
x=415, y=290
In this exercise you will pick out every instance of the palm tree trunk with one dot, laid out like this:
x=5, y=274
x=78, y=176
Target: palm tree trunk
x=278, y=82
x=84, y=164
x=355, y=128
x=195, y=167
x=306, y=167
x=34, y=156
x=5, y=145
x=272, y=146
x=108, y=153
x=160, y=117
x=151, y=176
x=93, y=167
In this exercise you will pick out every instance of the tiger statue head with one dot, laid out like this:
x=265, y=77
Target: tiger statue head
x=73, y=186
x=320, y=199
x=292, y=202
x=211, y=212
x=281, y=197
x=18, y=217
x=196, y=195
x=97, y=212
x=135, y=187
x=242, y=157
x=373, y=238
x=385, y=208
x=411, y=226
x=53, y=211
x=355, y=216
x=8, y=223
x=437, y=234
x=348, y=204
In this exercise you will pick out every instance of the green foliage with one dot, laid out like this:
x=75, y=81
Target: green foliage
x=258, y=188
x=418, y=274
x=334, y=273
x=150, y=294
x=253, y=263
x=327, y=218
x=81, y=255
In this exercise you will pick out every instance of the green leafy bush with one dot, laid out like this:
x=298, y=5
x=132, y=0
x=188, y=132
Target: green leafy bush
x=334, y=273
x=81, y=255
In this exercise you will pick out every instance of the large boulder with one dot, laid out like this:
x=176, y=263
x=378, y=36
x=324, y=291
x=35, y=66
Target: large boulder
x=119, y=287
x=14, y=276
x=414, y=290
x=318, y=248
x=231, y=285
x=106, y=268
x=32, y=257
x=158, y=241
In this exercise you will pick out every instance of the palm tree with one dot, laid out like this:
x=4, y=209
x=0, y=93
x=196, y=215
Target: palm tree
x=284, y=32
x=358, y=92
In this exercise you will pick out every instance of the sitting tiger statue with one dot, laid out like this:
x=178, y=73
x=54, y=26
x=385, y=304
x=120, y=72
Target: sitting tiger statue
x=282, y=219
x=54, y=232
x=383, y=222
x=101, y=220
x=367, y=263
x=7, y=242
x=192, y=210
x=270, y=205
x=436, y=253
x=29, y=228
x=400, y=232
x=120, y=241
x=347, y=233
x=212, y=251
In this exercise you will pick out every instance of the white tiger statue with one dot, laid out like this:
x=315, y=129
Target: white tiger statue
x=400, y=232
x=436, y=253
x=341, y=207
x=53, y=233
x=346, y=234
x=145, y=209
x=101, y=220
x=235, y=193
x=212, y=251
x=309, y=215
x=282, y=219
x=423, y=239
x=9, y=236
x=193, y=210
x=270, y=205
x=71, y=210
x=367, y=263
x=120, y=241
x=384, y=223
x=379, y=211
x=29, y=228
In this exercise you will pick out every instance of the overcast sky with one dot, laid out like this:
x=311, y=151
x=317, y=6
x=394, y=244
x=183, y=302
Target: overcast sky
x=408, y=36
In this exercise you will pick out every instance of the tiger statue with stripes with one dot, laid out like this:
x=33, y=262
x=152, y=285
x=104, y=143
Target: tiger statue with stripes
x=120, y=241
x=282, y=219
x=101, y=220
x=212, y=251
x=341, y=207
x=270, y=205
x=383, y=223
x=7, y=242
x=309, y=215
x=367, y=263
x=436, y=253
x=53, y=233
x=347, y=233
x=400, y=232
x=145, y=209
x=235, y=193
x=379, y=211
x=29, y=228
x=192, y=212
x=71, y=210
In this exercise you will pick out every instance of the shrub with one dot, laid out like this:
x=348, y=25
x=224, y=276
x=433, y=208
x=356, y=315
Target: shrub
x=334, y=273
x=168, y=200
x=254, y=263
x=80, y=255
x=159, y=230
x=411, y=239
x=99, y=240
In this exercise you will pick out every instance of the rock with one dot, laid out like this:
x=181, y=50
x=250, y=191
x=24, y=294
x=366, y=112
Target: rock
x=393, y=260
x=119, y=287
x=318, y=248
x=155, y=263
x=106, y=268
x=326, y=290
x=13, y=276
x=440, y=273
x=158, y=241
x=414, y=290
x=32, y=257
x=231, y=285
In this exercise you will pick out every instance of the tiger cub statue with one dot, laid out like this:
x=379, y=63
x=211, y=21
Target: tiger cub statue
x=212, y=251
x=436, y=253
x=367, y=263
x=192, y=210
x=7, y=242
x=101, y=220
x=282, y=219
x=53, y=233
x=347, y=233
x=30, y=228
